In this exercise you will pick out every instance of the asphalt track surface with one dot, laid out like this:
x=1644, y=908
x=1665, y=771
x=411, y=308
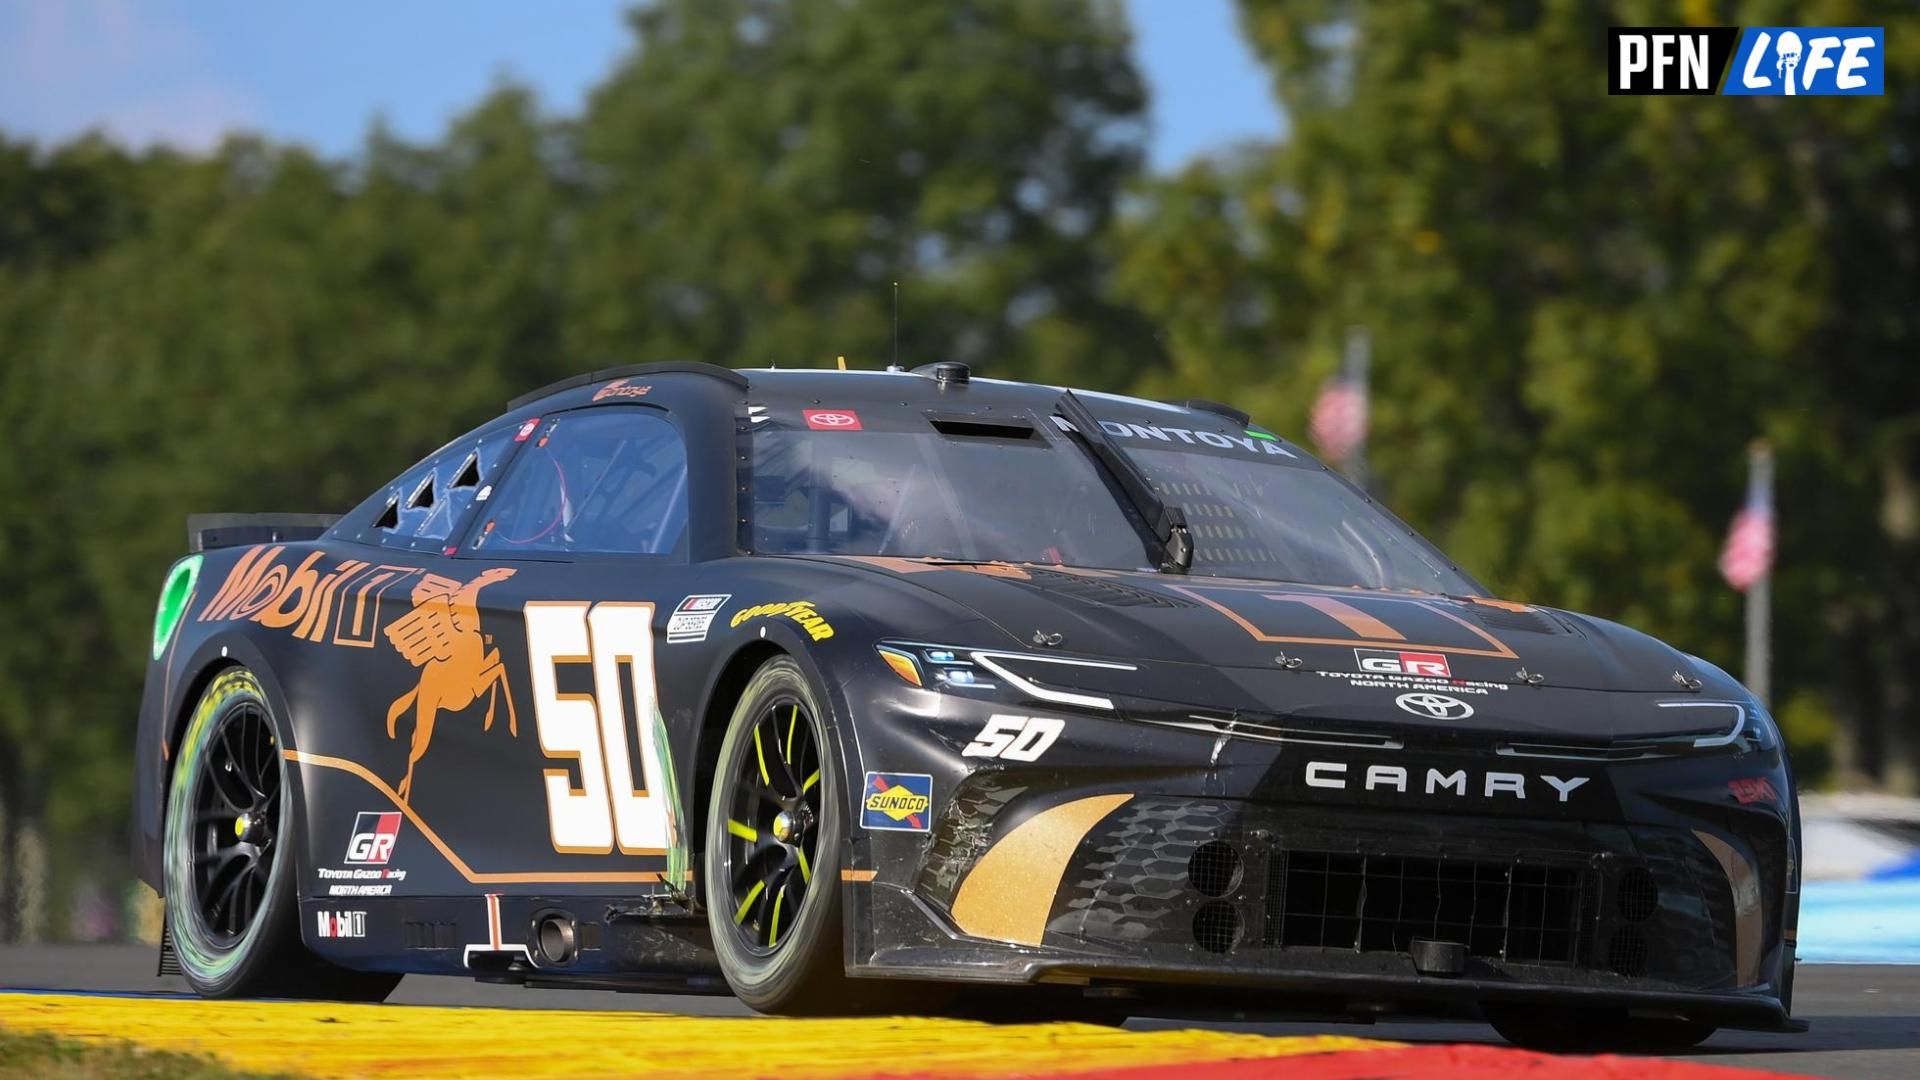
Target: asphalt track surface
x=1866, y=1018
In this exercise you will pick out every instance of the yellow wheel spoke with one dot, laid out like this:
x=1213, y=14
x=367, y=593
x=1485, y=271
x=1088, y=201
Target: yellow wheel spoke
x=740, y=915
x=806, y=872
x=773, y=936
x=792, y=722
x=811, y=780
x=745, y=832
x=761, y=753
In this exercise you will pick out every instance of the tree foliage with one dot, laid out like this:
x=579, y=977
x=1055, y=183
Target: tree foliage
x=1583, y=307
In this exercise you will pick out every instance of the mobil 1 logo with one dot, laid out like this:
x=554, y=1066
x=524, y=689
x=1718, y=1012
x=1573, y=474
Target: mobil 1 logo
x=1668, y=59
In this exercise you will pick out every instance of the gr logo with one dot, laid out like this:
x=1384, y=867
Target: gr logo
x=373, y=837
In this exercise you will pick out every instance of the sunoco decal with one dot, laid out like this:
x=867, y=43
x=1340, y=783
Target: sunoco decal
x=897, y=801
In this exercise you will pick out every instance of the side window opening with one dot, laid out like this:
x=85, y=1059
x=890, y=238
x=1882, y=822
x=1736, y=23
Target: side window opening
x=457, y=475
x=610, y=479
x=421, y=507
x=469, y=473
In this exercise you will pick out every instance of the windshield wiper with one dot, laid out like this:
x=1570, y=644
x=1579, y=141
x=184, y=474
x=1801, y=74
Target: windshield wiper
x=1173, y=543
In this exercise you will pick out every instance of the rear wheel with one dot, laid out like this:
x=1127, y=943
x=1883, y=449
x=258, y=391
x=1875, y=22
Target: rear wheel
x=1590, y=1031
x=775, y=830
x=232, y=898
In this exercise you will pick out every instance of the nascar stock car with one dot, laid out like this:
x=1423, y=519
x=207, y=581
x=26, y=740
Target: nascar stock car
x=846, y=690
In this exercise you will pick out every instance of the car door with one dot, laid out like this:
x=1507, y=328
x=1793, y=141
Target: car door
x=567, y=570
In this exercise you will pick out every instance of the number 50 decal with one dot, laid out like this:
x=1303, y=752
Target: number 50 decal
x=1015, y=738
x=609, y=805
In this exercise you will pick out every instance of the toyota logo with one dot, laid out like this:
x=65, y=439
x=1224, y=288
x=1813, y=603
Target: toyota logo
x=832, y=419
x=1434, y=706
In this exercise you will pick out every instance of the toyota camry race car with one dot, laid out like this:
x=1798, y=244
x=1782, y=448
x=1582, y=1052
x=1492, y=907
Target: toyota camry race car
x=869, y=690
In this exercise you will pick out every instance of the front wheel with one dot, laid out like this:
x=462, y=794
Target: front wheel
x=775, y=830
x=232, y=901
x=1586, y=1031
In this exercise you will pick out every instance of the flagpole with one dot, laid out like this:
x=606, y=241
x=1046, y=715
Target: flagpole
x=1760, y=595
x=1357, y=361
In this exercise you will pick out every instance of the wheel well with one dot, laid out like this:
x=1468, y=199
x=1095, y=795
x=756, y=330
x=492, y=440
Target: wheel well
x=176, y=728
x=713, y=729
x=177, y=723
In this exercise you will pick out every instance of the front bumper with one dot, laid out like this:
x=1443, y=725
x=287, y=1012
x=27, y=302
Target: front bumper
x=1223, y=888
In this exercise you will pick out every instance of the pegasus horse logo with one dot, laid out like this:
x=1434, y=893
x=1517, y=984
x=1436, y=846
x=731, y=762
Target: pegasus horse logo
x=441, y=636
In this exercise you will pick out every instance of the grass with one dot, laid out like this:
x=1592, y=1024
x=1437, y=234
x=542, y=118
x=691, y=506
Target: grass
x=26, y=1056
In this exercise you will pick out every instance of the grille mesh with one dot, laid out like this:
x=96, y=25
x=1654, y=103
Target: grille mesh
x=1513, y=911
x=1214, y=868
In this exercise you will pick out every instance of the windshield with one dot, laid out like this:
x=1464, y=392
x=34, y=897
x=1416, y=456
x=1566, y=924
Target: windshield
x=1029, y=494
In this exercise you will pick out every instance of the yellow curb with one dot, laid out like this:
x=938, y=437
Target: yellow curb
x=342, y=1041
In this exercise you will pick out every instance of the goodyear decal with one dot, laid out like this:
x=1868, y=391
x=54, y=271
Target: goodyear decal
x=898, y=801
x=800, y=611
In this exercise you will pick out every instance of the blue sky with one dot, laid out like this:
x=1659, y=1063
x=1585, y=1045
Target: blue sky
x=183, y=72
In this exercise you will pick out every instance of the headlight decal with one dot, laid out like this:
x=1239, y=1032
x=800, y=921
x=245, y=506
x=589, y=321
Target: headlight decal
x=949, y=668
x=1739, y=722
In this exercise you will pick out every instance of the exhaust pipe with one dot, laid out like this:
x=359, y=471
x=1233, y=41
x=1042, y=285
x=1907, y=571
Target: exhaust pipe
x=555, y=940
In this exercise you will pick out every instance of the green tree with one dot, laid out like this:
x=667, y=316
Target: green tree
x=759, y=173
x=1583, y=307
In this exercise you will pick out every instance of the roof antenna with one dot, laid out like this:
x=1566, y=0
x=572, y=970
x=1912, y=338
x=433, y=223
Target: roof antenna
x=895, y=366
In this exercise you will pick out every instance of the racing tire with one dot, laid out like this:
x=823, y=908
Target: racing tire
x=232, y=882
x=776, y=829
x=1587, y=1031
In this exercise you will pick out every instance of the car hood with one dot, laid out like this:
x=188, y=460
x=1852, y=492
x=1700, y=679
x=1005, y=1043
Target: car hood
x=1265, y=625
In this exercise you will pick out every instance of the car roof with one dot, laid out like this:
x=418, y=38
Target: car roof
x=929, y=385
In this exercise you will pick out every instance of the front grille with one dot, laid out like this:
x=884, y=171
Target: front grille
x=1507, y=910
x=1250, y=886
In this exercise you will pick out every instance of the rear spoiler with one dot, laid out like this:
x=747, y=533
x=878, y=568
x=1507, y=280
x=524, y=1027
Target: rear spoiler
x=208, y=531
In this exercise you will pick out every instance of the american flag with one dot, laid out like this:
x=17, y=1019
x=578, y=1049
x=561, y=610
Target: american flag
x=1748, y=554
x=1339, y=421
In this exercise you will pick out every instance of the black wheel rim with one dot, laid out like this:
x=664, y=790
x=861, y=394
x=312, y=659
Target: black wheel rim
x=772, y=826
x=236, y=823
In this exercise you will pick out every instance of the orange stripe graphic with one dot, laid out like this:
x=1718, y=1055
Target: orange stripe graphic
x=1361, y=623
x=550, y=877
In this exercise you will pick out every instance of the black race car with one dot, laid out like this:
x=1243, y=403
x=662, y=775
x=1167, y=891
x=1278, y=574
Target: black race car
x=857, y=690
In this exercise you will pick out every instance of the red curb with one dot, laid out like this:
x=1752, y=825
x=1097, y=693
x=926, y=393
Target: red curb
x=1452, y=1062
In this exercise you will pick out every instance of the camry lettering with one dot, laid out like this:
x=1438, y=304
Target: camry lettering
x=1384, y=775
x=1564, y=787
x=1333, y=774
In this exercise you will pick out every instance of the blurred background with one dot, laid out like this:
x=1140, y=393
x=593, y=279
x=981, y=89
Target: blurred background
x=261, y=257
